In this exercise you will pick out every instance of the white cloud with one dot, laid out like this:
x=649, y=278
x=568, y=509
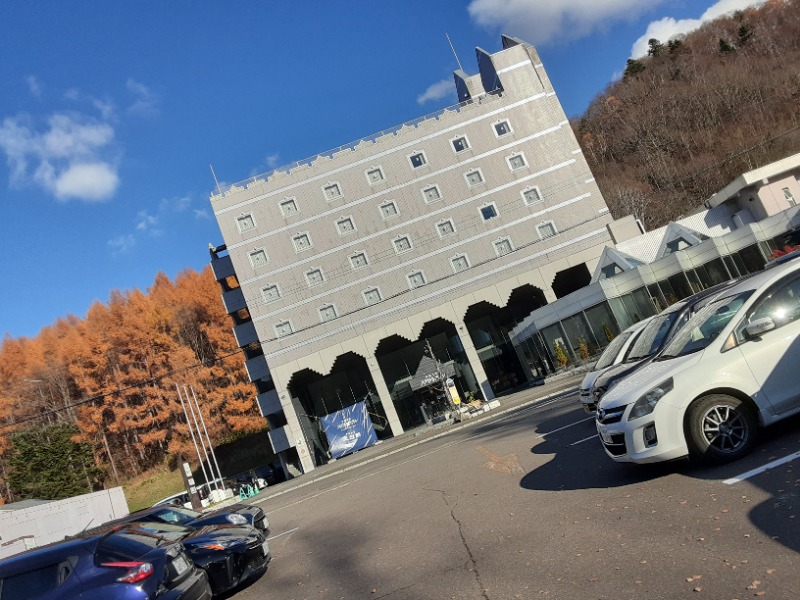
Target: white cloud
x=147, y=223
x=437, y=91
x=122, y=244
x=34, y=86
x=545, y=21
x=145, y=102
x=202, y=214
x=666, y=28
x=273, y=160
x=70, y=157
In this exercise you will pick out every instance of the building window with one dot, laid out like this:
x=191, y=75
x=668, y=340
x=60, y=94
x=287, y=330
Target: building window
x=416, y=279
x=532, y=195
x=418, y=159
x=302, y=242
x=270, y=293
x=245, y=223
x=372, y=296
x=332, y=191
x=389, y=210
x=473, y=177
x=358, y=260
x=289, y=207
x=501, y=128
x=460, y=144
x=402, y=244
x=460, y=263
x=546, y=230
x=375, y=175
x=345, y=225
x=327, y=313
x=516, y=161
x=259, y=258
x=431, y=193
x=503, y=246
x=787, y=194
x=283, y=328
x=315, y=277
x=445, y=228
x=488, y=211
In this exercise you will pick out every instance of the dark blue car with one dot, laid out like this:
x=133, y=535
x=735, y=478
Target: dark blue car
x=122, y=565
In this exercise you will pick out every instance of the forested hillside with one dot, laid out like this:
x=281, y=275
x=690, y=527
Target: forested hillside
x=697, y=112
x=109, y=380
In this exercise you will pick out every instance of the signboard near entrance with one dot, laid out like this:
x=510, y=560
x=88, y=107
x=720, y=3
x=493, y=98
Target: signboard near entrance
x=348, y=430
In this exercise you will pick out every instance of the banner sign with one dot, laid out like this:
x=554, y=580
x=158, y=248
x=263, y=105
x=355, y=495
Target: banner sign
x=348, y=430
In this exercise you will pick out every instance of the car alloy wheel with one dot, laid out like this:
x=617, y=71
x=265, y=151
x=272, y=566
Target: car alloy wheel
x=720, y=428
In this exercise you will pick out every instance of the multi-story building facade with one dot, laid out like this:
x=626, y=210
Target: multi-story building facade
x=343, y=271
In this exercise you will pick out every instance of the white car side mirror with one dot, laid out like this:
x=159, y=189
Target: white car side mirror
x=759, y=327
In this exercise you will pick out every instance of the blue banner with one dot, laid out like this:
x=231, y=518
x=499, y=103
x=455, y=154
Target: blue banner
x=348, y=430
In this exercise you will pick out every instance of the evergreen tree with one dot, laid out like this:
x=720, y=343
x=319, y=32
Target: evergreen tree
x=46, y=464
x=632, y=68
x=725, y=47
x=745, y=33
x=654, y=47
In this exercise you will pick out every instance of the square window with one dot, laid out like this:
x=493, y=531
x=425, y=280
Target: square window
x=314, y=277
x=327, y=313
x=416, y=279
x=389, y=210
x=283, y=329
x=432, y=193
x=301, y=242
x=332, y=191
x=372, y=296
x=546, y=230
x=358, y=260
x=375, y=175
x=270, y=293
x=460, y=144
x=259, y=258
x=417, y=160
x=402, y=244
x=532, y=196
x=345, y=225
x=488, y=212
x=517, y=161
x=503, y=247
x=460, y=263
x=245, y=223
x=288, y=207
x=502, y=128
x=474, y=177
x=445, y=228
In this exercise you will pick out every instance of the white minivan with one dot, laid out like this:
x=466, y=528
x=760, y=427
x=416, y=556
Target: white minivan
x=731, y=368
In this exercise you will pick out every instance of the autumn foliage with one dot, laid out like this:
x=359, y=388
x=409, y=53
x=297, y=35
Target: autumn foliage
x=696, y=113
x=114, y=373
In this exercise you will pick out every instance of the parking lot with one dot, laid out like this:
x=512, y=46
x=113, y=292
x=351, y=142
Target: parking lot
x=525, y=504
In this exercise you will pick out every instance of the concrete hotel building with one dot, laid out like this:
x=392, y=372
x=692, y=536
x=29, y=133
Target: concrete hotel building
x=344, y=272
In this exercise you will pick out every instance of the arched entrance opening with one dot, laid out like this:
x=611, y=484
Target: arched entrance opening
x=414, y=372
x=488, y=327
x=315, y=396
x=569, y=280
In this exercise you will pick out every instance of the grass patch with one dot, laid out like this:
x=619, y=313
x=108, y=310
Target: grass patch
x=152, y=486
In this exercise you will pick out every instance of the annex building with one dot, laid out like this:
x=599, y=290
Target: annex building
x=348, y=273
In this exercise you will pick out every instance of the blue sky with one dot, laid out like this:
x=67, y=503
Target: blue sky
x=112, y=112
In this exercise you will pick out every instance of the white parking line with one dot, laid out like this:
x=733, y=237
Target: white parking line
x=591, y=437
x=274, y=537
x=762, y=468
x=541, y=435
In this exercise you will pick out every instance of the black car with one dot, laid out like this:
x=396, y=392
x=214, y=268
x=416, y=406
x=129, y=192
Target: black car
x=119, y=564
x=229, y=554
x=653, y=338
x=235, y=514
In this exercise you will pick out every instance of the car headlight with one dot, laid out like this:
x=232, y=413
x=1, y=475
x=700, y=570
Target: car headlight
x=647, y=403
x=236, y=519
x=598, y=392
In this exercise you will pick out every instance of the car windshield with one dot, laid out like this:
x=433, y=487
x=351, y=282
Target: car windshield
x=165, y=531
x=705, y=326
x=610, y=353
x=174, y=514
x=653, y=336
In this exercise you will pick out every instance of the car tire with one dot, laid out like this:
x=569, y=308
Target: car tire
x=720, y=428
